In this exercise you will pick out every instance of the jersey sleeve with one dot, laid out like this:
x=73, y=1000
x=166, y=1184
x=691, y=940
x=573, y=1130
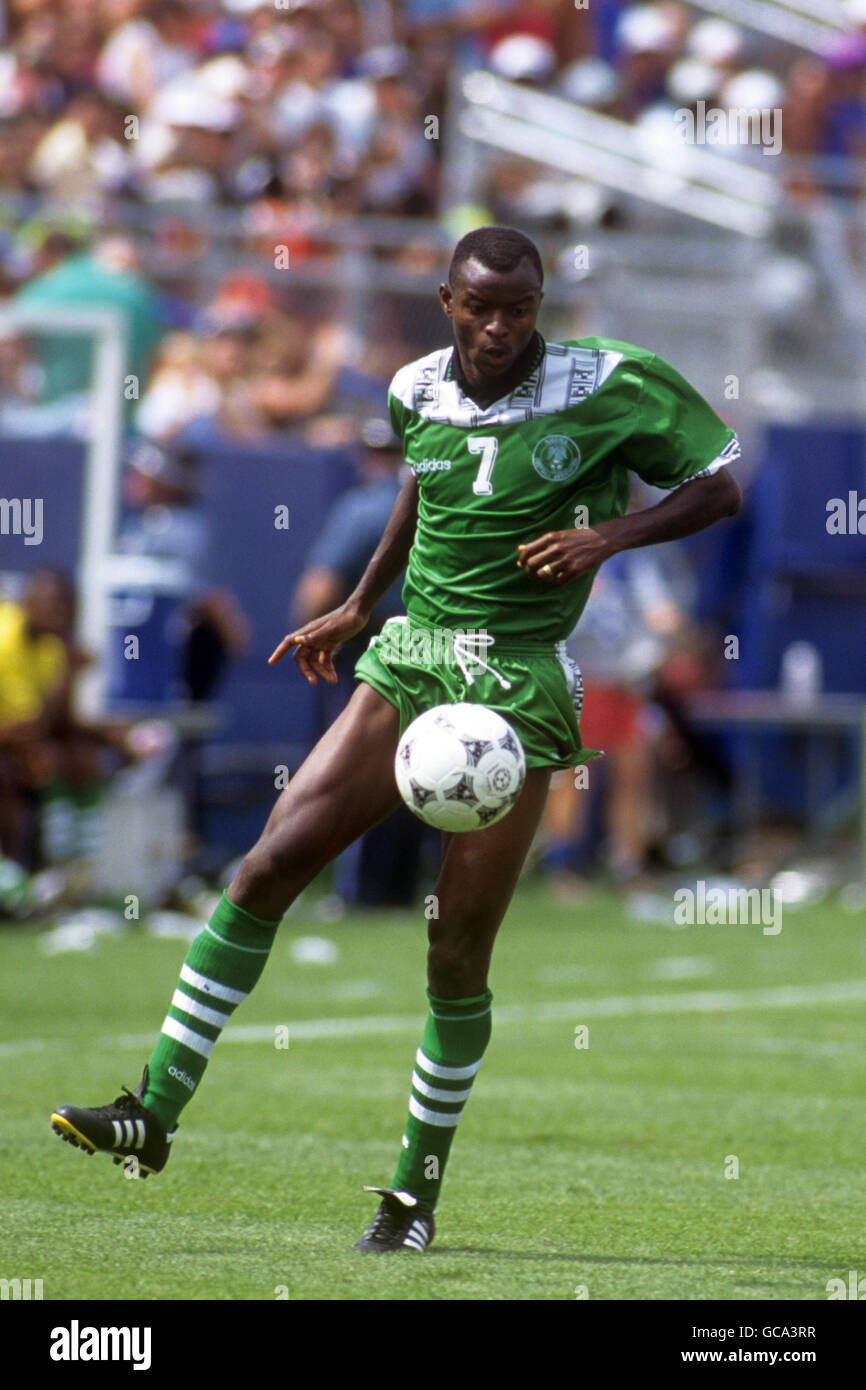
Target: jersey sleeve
x=676, y=436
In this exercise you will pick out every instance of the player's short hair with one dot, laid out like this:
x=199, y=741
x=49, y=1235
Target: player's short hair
x=497, y=248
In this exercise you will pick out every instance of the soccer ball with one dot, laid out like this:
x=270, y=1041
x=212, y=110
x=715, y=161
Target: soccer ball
x=460, y=767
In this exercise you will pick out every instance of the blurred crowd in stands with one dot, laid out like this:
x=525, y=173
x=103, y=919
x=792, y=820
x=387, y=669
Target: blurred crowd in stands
x=298, y=117
x=316, y=108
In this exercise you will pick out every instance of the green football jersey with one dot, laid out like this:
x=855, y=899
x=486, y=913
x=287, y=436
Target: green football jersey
x=554, y=453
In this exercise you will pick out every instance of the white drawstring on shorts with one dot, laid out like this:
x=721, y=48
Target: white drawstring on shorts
x=465, y=647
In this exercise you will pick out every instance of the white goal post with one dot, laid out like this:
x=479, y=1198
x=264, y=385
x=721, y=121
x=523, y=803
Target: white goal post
x=102, y=467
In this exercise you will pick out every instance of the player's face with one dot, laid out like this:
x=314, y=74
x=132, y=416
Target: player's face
x=493, y=313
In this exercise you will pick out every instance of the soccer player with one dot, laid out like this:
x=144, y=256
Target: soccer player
x=519, y=453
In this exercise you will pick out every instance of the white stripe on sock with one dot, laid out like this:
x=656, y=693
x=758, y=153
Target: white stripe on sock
x=194, y=1041
x=432, y=1117
x=251, y=950
x=191, y=1006
x=208, y=986
x=446, y=1073
x=433, y=1092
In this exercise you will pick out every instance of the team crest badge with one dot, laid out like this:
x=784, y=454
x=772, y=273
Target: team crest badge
x=556, y=458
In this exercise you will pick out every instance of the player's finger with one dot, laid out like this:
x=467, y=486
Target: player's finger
x=291, y=639
x=529, y=553
x=321, y=664
x=549, y=537
x=279, y=651
x=551, y=555
x=316, y=660
x=302, y=658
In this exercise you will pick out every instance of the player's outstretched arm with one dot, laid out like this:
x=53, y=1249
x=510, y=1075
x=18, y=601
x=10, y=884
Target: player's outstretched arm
x=316, y=642
x=559, y=556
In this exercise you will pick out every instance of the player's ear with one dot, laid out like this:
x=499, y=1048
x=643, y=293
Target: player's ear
x=446, y=299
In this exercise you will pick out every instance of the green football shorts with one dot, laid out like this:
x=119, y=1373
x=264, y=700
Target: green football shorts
x=535, y=686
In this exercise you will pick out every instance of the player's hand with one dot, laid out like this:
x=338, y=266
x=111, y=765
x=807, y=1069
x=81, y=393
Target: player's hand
x=317, y=642
x=560, y=556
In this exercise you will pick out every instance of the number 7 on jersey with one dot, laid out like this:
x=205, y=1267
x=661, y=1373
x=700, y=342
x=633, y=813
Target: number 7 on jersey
x=487, y=447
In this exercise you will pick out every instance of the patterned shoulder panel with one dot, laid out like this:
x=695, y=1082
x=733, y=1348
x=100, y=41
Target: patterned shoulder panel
x=417, y=384
x=572, y=373
x=564, y=377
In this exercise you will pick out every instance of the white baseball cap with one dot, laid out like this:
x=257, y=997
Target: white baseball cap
x=753, y=89
x=188, y=102
x=645, y=29
x=523, y=57
x=715, y=41
x=690, y=80
x=226, y=77
x=590, y=82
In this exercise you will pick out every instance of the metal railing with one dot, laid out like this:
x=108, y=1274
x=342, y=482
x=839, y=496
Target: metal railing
x=689, y=179
x=806, y=24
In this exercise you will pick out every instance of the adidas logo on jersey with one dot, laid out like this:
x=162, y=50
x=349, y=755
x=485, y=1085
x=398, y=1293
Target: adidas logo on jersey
x=431, y=466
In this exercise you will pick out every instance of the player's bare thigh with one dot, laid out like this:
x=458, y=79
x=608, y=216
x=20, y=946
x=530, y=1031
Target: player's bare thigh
x=341, y=790
x=478, y=876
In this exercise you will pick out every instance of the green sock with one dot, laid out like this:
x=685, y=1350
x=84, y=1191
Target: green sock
x=457, y=1032
x=223, y=963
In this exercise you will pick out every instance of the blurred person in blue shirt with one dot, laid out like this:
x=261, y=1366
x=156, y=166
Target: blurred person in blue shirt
x=166, y=521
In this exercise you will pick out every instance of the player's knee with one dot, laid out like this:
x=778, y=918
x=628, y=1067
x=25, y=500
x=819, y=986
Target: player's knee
x=268, y=862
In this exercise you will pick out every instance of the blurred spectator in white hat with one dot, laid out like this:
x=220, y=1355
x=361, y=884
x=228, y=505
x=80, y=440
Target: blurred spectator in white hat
x=717, y=42
x=760, y=93
x=691, y=80
x=591, y=82
x=648, y=39
x=180, y=389
x=142, y=54
x=523, y=58
x=185, y=142
x=83, y=153
x=398, y=168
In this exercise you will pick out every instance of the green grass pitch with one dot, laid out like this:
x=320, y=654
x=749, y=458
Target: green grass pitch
x=599, y=1168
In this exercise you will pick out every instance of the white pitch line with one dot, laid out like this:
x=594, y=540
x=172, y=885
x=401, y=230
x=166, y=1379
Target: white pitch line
x=24, y=1045
x=615, y=1006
